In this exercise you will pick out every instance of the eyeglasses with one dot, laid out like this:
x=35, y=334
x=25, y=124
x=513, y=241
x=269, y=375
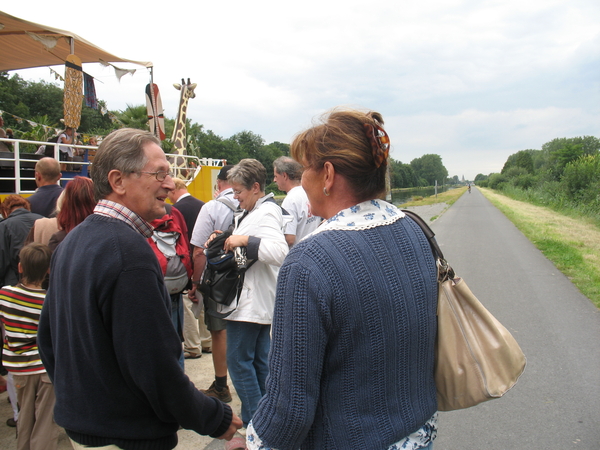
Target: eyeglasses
x=236, y=192
x=160, y=175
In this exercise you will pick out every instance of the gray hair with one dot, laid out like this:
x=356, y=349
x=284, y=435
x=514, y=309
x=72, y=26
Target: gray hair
x=247, y=172
x=285, y=164
x=121, y=150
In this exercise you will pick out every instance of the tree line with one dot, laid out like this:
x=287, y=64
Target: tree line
x=42, y=103
x=564, y=174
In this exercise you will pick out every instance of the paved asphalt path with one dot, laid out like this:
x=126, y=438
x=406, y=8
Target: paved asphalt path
x=556, y=403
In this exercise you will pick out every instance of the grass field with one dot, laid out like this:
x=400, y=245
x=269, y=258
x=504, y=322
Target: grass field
x=448, y=197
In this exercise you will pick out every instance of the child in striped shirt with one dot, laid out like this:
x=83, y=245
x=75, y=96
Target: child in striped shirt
x=20, y=308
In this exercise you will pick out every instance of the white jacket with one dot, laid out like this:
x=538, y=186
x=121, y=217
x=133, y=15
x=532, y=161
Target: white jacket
x=257, y=300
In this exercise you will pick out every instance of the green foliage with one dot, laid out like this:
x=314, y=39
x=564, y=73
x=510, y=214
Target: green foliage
x=402, y=175
x=581, y=179
x=565, y=176
x=430, y=168
x=134, y=117
x=93, y=122
x=480, y=177
x=496, y=180
x=522, y=159
x=514, y=172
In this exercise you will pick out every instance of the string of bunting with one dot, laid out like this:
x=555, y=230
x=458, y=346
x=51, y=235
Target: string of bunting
x=30, y=122
x=48, y=128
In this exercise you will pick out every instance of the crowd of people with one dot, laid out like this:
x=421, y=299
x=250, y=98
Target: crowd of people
x=329, y=343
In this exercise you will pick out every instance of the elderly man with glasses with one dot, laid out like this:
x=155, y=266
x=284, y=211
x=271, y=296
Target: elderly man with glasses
x=105, y=333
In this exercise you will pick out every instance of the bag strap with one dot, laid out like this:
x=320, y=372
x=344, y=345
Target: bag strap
x=445, y=271
x=227, y=203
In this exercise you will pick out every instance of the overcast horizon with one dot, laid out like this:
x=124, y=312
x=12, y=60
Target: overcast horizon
x=471, y=81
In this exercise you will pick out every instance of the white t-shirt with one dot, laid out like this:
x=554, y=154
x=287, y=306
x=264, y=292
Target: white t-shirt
x=297, y=205
x=64, y=139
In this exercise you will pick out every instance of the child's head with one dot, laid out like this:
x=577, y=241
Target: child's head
x=34, y=262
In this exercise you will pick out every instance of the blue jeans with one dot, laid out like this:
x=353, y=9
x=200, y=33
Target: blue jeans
x=247, y=358
x=177, y=319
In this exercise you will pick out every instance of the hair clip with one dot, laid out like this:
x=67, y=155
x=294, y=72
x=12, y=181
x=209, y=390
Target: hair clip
x=380, y=143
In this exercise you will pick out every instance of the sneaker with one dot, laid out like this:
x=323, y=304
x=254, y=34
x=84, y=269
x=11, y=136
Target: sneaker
x=223, y=395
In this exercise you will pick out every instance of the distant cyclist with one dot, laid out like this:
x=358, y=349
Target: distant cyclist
x=469, y=188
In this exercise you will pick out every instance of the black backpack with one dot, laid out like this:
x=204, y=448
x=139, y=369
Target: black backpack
x=49, y=149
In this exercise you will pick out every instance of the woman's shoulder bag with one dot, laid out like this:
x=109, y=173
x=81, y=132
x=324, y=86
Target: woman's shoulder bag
x=476, y=357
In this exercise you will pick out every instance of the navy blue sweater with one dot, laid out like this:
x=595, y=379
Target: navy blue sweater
x=110, y=348
x=352, y=354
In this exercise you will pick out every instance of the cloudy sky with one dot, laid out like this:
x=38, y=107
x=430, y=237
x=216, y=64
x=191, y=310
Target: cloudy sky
x=472, y=81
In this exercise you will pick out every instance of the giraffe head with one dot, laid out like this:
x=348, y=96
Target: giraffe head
x=187, y=90
x=179, y=138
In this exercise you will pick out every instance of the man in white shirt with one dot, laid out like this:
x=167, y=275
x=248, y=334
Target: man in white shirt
x=287, y=173
x=216, y=214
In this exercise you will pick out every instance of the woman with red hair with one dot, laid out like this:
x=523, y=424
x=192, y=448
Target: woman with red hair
x=78, y=203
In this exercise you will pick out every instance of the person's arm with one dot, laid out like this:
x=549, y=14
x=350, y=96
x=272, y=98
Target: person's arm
x=266, y=242
x=199, y=259
x=300, y=335
x=139, y=318
x=290, y=239
x=65, y=139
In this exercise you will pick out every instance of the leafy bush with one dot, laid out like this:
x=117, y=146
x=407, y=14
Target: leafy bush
x=582, y=179
x=515, y=172
x=524, y=181
x=496, y=179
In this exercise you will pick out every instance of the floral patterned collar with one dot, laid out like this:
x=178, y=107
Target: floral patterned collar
x=365, y=215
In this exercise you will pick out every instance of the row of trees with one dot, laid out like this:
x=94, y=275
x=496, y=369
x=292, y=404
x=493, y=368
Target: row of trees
x=564, y=174
x=42, y=103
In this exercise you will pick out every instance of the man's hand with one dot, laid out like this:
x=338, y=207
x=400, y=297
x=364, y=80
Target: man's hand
x=192, y=293
x=236, y=424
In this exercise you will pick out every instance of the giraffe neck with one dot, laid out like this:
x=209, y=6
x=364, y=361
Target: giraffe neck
x=179, y=133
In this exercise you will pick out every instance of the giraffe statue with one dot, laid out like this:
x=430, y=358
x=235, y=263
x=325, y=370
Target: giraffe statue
x=179, y=138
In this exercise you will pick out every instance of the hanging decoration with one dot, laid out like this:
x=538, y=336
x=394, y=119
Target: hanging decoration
x=57, y=76
x=73, y=91
x=89, y=91
x=118, y=71
x=156, y=118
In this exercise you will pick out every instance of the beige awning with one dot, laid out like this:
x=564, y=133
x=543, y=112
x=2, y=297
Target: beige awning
x=26, y=44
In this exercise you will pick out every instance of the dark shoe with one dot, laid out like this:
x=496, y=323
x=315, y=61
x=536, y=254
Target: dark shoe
x=11, y=422
x=224, y=395
x=206, y=350
x=188, y=355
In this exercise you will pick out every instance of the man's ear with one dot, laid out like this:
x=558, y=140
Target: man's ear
x=117, y=181
x=20, y=268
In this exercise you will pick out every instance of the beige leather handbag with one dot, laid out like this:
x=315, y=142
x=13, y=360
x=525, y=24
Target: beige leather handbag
x=476, y=358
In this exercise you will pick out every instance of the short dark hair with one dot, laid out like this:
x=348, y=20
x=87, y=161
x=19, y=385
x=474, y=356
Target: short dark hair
x=35, y=262
x=223, y=172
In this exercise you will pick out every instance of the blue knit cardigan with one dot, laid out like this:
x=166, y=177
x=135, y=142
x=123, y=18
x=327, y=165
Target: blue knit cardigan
x=352, y=354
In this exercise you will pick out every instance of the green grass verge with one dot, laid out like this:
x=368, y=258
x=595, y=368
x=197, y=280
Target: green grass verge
x=573, y=245
x=448, y=197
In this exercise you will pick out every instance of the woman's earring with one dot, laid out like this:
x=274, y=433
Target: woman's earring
x=325, y=192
